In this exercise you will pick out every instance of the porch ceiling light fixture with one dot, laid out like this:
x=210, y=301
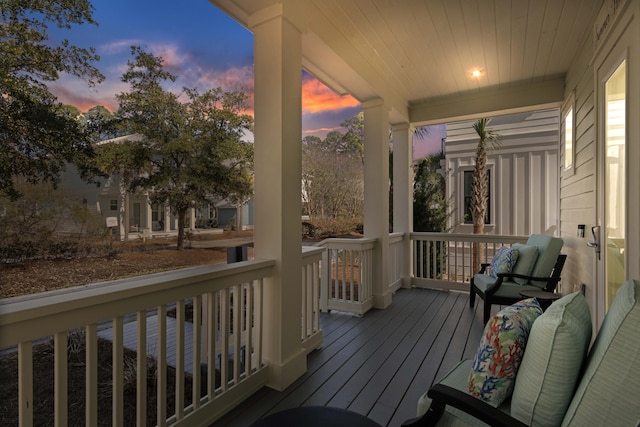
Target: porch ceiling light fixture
x=476, y=73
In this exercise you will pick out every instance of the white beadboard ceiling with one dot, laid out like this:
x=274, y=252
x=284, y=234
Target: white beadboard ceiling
x=418, y=55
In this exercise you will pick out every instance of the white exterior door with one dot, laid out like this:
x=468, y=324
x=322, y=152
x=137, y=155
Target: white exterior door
x=618, y=179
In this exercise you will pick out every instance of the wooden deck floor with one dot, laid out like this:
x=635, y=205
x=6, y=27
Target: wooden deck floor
x=378, y=365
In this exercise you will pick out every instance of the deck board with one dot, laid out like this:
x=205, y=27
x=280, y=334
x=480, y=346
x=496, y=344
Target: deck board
x=378, y=365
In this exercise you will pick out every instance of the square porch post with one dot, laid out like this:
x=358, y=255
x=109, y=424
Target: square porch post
x=376, y=194
x=403, y=193
x=278, y=174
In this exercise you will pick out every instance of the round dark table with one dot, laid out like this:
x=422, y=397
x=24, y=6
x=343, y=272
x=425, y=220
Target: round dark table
x=316, y=416
x=544, y=298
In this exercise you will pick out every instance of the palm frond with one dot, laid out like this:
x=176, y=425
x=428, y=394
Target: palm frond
x=422, y=132
x=488, y=137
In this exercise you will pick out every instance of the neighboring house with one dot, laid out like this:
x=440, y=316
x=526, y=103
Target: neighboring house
x=523, y=174
x=141, y=217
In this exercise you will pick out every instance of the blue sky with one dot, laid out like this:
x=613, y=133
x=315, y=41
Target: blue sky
x=199, y=44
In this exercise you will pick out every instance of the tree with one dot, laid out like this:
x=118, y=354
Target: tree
x=38, y=135
x=353, y=140
x=332, y=172
x=128, y=160
x=431, y=209
x=194, y=149
x=431, y=212
x=488, y=139
x=100, y=124
x=419, y=133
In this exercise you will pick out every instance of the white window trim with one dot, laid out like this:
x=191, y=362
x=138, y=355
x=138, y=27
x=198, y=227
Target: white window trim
x=569, y=107
x=491, y=204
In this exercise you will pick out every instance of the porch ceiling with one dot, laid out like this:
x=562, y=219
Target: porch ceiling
x=418, y=55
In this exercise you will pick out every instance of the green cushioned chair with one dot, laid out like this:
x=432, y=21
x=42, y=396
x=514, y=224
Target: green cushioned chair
x=558, y=383
x=531, y=272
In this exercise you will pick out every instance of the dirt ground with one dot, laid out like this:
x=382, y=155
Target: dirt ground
x=45, y=275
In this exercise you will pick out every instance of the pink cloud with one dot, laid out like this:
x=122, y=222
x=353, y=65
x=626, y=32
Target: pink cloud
x=119, y=46
x=321, y=130
x=235, y=78
x=172, y=59
x=75, y=92
x=317, y=98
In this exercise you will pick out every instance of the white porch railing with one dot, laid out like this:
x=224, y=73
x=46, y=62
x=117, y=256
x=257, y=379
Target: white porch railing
x=227, y=300
x=439, y=260
x=232, y=367
x=444, y=260
x=311, y=332
x=347, y=283
x=396, y=256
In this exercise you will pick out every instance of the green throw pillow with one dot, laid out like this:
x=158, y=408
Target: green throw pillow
x=527, y=256
x=609, y=390
x=547, y=377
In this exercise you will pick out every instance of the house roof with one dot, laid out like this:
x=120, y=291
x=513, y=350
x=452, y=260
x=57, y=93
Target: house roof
x=418, y=55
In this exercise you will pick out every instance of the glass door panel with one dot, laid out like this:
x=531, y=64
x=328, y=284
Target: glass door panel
x=615, y=180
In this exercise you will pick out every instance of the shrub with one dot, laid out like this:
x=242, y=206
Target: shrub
x=327, y=228
x=47, y=223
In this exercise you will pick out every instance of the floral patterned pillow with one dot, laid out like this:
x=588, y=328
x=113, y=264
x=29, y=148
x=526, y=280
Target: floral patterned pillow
x=503, y=261
x=496, y=362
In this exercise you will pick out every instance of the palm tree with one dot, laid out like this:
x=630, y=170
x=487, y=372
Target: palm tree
x=488, y=140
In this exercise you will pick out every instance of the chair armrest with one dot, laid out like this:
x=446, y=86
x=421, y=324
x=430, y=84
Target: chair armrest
x=551, y=281
x=483, y=267
x=443, y=395
x=506, y=276
x=549, y=287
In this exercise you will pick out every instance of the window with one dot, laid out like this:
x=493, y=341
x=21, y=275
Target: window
x=157, y=212
x=113, y=205
x=567, y=136
x=468, y=184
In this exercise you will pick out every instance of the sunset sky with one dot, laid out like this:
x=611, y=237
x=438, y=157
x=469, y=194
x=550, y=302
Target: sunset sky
x=199, y=44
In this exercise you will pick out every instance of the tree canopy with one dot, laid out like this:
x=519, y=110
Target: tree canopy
x=192, y=151
x=39, y=135
x=332, y=174
x=431, y=209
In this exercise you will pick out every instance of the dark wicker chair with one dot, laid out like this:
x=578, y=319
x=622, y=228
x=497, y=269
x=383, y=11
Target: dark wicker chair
x=505, y=289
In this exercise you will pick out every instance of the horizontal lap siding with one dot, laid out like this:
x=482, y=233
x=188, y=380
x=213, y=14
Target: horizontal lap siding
x=578, y=191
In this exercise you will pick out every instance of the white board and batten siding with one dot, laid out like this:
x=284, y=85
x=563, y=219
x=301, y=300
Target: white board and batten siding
x=524, y=172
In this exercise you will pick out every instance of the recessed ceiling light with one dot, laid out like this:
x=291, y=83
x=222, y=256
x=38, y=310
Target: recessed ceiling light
x=476, y=72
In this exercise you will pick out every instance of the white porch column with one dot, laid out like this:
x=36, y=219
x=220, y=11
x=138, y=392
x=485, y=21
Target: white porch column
x=278, y=172
x=148, y=214
x=192, y=218
x=376, y=194
x=167, y=217
x=403, y=192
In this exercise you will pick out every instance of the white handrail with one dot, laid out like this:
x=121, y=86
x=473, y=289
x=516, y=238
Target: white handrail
x=26, y=319
x=234, y=318
x=444, y=260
